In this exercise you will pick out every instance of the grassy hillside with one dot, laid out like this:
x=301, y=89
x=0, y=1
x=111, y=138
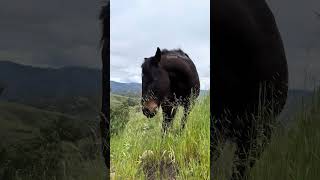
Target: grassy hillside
x=39, y=144
x=117, y=100
x=84, y=107
x=140, y=150
x=25, y=120
x=51, y=140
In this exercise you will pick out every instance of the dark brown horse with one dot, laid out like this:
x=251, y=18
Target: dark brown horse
x=169, y=79
x=249, y=78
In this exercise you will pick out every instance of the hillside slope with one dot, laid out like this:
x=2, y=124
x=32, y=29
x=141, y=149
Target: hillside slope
x=38, y=144
x=18, y=122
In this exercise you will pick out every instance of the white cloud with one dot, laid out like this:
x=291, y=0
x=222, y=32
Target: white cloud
x=139, y=27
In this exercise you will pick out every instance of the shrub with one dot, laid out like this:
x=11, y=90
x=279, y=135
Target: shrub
x=119, y=116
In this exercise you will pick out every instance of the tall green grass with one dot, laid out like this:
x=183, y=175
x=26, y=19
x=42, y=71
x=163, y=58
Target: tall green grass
x=142, y=151
x=293, y=154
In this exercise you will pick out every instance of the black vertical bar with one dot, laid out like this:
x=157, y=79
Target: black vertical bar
x=105, y=56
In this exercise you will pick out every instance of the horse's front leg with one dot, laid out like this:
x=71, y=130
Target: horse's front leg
x=169, y=111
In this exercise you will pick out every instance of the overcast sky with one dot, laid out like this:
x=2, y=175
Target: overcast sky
x=139, y=27
x=64, y=33
x=50, y=33
x=300, y=30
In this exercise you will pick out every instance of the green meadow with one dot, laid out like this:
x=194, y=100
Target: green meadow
x=140, y=150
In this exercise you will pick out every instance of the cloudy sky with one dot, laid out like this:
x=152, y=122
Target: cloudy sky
x=50, y=33
x=64, y=33
x=139, y=27
x=300, y=30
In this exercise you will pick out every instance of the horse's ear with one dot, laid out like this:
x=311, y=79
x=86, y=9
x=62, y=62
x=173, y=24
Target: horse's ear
x=158, y=55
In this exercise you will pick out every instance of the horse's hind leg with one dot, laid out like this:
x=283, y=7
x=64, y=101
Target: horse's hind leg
x=188, y=104
x=186, y=111
x=169, y=112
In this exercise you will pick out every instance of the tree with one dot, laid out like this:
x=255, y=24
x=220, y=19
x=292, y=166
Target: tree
x=119, y=117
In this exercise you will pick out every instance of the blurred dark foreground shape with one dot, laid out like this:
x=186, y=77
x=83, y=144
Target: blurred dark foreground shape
x=250, y=79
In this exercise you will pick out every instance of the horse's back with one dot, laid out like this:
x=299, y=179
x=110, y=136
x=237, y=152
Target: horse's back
x=184, y=78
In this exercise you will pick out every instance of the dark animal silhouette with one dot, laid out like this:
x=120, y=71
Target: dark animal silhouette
x=105, y=56
x=169, y=79
x=249, y=78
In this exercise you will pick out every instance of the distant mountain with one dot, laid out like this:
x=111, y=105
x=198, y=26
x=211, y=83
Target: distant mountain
x=134, y=88
x=125, y=88
x=28, y=82
x=23, y=82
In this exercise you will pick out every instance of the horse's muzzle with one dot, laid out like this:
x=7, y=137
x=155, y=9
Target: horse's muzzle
x=150, y=108
x=148, y=113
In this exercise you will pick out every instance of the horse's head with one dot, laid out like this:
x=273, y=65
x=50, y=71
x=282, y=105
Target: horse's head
x=155, y=84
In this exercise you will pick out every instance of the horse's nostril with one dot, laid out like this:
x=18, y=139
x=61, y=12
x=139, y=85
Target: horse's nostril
x=148, y=113
x=145, y=111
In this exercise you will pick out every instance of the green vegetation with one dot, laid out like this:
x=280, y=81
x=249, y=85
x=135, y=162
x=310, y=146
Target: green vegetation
x=119, y=111
x=53, y=138
x=39, y=144
x=118, y=100
x=293, y=153
x=140, y=151
x=83, y=107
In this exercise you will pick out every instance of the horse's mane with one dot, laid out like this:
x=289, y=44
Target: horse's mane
x=104, y=17
x=179, y=52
